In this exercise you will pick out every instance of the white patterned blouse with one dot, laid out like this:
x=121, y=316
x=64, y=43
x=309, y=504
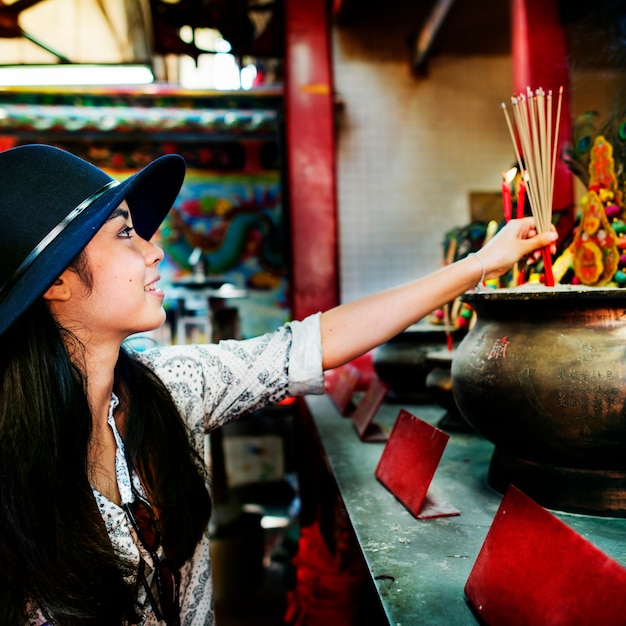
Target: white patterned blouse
x=211, y=385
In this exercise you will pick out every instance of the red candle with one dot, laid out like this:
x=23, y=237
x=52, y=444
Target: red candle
x=547, y=265
x=449, y=341
x=506, y=199
x=521, y=197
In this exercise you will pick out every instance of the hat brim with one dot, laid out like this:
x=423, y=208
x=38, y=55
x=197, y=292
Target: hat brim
x=150, y=194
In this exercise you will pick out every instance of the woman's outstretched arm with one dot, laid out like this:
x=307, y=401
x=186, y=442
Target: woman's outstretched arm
x=354, y=328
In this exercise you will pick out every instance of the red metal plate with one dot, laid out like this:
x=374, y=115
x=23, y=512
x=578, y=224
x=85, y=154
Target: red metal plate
x=341, y=384
x=410, y=459
x=534, y=569
x=366, y=409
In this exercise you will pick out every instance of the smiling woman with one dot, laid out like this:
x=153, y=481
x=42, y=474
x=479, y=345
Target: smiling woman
x=104, y=505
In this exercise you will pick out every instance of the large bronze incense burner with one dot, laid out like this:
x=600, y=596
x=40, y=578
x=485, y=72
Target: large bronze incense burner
x=542, y=375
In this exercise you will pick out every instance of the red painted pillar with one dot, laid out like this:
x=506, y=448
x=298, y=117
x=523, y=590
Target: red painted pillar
x=540, y=55
x=310, y=153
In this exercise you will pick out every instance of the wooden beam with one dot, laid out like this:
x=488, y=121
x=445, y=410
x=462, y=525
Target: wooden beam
x=428, y=33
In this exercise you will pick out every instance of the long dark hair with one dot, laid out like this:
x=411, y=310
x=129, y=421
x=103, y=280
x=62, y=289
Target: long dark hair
x=54, y=548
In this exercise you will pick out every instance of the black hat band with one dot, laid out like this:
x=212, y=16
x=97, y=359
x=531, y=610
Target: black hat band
x=52, y=235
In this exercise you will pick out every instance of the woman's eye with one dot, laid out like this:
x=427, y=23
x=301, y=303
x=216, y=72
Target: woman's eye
x=127, y=232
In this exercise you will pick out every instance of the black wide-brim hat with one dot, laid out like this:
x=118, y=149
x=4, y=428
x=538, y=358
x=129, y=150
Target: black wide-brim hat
x=51, y=205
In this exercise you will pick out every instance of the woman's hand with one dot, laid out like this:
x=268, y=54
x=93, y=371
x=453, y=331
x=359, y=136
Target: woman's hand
x=518, y=239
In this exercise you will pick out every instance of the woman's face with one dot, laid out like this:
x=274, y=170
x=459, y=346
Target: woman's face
x=123, y=298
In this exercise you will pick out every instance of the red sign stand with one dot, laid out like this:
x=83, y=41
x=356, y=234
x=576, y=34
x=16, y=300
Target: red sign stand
x=341, y=384
x=534, y=569
x=363, y=416
x=408, y=464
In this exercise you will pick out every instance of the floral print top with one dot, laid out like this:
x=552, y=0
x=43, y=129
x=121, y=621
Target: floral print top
x=211, y=384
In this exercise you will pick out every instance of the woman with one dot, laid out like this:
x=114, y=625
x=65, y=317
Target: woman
x=103, y=501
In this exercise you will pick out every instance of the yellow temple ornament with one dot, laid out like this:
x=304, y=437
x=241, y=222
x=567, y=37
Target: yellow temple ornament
x=595, y=250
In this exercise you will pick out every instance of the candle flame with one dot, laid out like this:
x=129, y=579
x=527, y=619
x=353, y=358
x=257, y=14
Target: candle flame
x=509, y=175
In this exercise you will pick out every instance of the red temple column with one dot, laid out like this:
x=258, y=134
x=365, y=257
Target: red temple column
x=310, y=155
x=540, y=59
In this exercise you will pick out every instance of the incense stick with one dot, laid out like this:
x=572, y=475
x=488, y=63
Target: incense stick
x=558, y=120
x=535, y=141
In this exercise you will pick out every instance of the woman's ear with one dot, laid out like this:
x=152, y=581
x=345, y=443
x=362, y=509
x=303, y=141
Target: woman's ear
x=60, y=290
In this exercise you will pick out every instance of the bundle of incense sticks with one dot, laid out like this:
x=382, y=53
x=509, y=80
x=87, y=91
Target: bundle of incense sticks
x=535, y=145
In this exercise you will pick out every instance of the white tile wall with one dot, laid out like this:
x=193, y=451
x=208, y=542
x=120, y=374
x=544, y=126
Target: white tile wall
x=410, y=150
